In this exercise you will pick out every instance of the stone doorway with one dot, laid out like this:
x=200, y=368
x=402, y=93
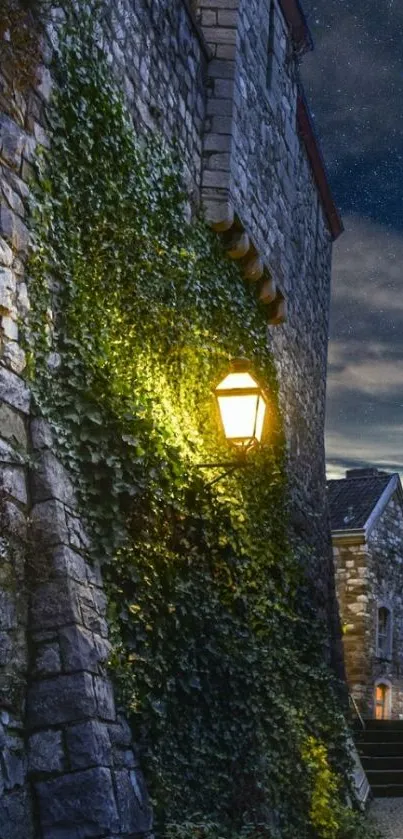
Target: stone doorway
x=382, y=701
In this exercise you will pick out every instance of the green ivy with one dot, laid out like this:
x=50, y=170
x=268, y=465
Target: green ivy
x=217, y=654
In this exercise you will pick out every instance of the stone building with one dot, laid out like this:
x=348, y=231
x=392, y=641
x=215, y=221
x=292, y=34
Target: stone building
x=220, y=77
x=366, y=510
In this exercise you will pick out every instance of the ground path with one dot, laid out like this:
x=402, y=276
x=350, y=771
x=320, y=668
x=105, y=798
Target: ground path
x=387, y=814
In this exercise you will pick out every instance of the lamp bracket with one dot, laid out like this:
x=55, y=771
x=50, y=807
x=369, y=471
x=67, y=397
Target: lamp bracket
x=228, y=466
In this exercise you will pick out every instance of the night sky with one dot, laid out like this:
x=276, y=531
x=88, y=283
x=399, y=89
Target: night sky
x=354, y=84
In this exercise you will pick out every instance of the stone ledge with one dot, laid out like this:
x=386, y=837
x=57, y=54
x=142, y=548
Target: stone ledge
x=236, y=241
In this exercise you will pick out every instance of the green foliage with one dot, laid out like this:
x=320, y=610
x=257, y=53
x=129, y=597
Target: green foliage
x=217, y=654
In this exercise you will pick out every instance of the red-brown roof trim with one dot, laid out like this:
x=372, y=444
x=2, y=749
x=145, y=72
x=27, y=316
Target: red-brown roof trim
x=296, y=20
x=307, y=133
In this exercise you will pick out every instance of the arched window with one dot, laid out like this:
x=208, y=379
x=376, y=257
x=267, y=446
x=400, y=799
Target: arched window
x=384, y=632
x=382, y=700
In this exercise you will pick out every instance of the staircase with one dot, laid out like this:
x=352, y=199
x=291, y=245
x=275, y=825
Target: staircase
x=380, y=748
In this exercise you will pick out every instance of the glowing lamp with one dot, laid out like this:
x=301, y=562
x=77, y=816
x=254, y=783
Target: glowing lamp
x=242, y=405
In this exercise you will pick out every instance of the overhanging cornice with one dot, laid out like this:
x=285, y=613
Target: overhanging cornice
x=296, y=21
x=308, y=136
x=344, y=538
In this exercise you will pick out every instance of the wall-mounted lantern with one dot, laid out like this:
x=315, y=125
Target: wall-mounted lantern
x=242, y=404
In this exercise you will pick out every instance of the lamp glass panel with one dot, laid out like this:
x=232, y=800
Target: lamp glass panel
x=261, y=411
x=238, y=414
x=234, y=381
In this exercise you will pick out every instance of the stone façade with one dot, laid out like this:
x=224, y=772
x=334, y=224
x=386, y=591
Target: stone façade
x=198, y=73
x=368, y=553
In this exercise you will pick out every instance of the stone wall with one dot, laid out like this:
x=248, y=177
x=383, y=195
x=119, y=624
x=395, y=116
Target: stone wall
x=354, y=594
x=257, y=175
x=62, y=744
x=369, y=575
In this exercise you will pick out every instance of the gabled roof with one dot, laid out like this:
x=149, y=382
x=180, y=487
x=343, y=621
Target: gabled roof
x=357, y=501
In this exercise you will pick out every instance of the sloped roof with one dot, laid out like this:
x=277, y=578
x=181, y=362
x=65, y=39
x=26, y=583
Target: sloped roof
x=353, y=499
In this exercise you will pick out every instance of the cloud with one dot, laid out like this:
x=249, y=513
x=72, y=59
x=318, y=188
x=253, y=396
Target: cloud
x=365, y=375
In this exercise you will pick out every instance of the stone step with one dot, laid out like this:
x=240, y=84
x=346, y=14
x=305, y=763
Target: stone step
x=383, y=725
x=386, y=777
x=387, y=735
x=380, y=749
x=382, y=763
x=385, y=791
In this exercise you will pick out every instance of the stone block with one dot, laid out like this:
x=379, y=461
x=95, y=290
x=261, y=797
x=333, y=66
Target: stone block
x=14, y=391
x=78, y=537
x=14, y=483
x=23, y=303
x=88, y=745
x=215, y=178
x=66, y=698
x=94, y=621
x=70, y=564
x=45, y=752
x=78, y=806
x=103, y=648
x=49, y=523
x=222, y=107
x=51, y=480
x=41, y=434
x=9, y=327
x=221, y=35
x=14, y=766
x=55, y=603
x=12, y=141
x=6, y=648
x=120, y=733
x=94, y=574
x=13, y=199
x=78, y=649
x=7, y=289
x=14, y=357
x=14, y=230
x=6, y=254
x=221, y=124
x=218, y=143
x=105, y=699
x=134, y=809
x=16, y=818
x=8, y=612
x=225, y=51
x=220, y=4
x=48, y=660
x=219, y=69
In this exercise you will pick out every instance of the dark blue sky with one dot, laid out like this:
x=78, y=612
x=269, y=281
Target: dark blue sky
x=354, y=83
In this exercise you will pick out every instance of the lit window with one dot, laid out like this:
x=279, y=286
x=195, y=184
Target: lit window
x=384, y=634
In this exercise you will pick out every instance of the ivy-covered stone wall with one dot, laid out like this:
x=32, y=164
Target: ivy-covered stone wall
x=126, y=314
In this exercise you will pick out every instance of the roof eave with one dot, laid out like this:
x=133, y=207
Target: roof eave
x=308, y=135
x=299, y=29
x=393, y=485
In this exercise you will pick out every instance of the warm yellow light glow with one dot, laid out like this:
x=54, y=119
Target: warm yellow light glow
x=238, y=414
x=235, y=381
x=242, y=405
